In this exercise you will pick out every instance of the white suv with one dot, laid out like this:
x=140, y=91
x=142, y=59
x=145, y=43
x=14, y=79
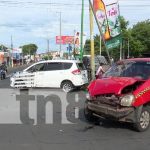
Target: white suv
x=65, y=74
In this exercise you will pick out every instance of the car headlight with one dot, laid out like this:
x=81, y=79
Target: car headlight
x=127, y=100
x=88, y=97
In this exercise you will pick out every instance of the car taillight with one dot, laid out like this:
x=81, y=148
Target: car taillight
x=76, y=72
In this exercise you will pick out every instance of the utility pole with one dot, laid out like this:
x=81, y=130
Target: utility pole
x=90, y=3
x=100, y=45
x=82, y=20
x=48, y=48
x=121, y=50
x=74, y=47
x=128, y=48
x=92, y=43
x=12, y=63
x=60, y=30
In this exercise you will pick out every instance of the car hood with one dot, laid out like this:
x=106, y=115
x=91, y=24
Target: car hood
x=111, y=85
x=19, y=73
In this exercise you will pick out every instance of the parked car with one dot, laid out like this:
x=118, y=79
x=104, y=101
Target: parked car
x=122, y=94
x=65, y=74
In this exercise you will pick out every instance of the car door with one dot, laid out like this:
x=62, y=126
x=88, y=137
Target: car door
x=40, y=73
x=54, y=74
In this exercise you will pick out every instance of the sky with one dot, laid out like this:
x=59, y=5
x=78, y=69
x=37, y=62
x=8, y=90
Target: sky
x=35, y=21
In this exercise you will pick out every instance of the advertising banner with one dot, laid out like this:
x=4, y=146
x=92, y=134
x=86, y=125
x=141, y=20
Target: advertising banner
x=64, y=40
x=107, y=15
x=77, y=43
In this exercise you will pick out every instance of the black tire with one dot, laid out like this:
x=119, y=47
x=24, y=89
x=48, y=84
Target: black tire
x=143, y=121
x=78, y=88
x=89, y=115
x=67, y=86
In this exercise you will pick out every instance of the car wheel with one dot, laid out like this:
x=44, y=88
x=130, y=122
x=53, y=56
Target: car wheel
x=67, y=86
x=89, y=115
x=143, y=121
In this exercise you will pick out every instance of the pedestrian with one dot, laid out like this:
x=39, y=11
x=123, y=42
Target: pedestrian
x=112, y=61
x=3, y=66
x=100, y=71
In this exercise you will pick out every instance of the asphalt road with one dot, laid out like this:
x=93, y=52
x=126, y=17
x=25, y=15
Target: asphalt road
x=54, y=131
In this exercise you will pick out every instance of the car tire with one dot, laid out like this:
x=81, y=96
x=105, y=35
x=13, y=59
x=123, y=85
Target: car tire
x=143, y=121
x=67, y=86
x=89, y=115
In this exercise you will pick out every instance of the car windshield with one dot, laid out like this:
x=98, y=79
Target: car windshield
x=138, y=69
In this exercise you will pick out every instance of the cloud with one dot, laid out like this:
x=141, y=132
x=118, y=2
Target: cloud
x=36, y=21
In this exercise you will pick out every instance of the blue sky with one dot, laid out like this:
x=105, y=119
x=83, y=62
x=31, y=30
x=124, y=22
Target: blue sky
x=34, y=21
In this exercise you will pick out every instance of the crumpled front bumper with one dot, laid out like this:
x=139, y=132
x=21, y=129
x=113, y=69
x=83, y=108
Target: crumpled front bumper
x=108, y=111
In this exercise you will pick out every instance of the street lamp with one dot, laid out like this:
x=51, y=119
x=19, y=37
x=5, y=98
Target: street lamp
x=60, y=32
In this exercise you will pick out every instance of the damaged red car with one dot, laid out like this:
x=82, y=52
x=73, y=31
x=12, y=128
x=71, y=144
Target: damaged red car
x=122, y=94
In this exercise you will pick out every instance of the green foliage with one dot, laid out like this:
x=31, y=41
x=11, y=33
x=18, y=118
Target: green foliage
x=29, y=49
x=3, y=48
x=137, y=38
x=141, y=33
x=47, y=57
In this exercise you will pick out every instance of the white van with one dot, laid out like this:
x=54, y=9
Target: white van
x=65, y=74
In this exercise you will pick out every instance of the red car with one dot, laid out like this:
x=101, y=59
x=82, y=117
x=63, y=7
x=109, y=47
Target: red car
x=122, y=94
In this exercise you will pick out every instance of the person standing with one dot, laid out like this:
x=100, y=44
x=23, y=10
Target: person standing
x=112, y=61
x=100, y=71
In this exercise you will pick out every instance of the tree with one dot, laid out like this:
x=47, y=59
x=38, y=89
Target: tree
x=113, y=52
x=138, y=38
x=3, y=48
x=29, y=49
x=47, y=57
x=141, y=34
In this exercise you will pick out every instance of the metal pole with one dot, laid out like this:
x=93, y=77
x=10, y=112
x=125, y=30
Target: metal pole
x=22, y=59
x=100, y=45
x=60, y=34
x=100, y=31
x=120, y=50
x=92, y=44
x=128, y=48
x=12, y=63
x=48, y=48
x=74, y=44
x=82, y=20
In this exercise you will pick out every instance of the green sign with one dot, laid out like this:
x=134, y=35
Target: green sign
x=114, y=42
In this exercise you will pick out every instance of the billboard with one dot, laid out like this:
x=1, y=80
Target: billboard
x=65, y=40
x=107, y=15
x=17, y=50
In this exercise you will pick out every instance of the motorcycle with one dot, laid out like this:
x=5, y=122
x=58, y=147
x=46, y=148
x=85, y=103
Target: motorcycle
x=2, y=74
